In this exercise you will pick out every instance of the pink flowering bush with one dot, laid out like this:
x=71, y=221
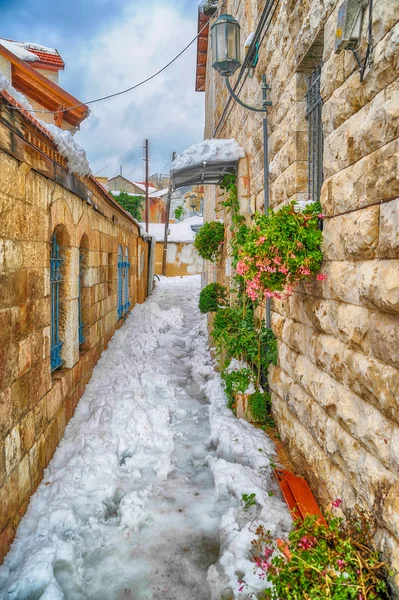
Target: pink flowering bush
x=332, y=561
x=281, y=249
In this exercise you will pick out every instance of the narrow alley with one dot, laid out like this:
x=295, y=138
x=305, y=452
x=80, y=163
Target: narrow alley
x=143, y=498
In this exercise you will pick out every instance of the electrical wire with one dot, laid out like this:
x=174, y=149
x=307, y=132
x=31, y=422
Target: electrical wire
x=129, y=89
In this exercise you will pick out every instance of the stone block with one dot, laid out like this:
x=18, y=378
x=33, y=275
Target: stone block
x=51, y=440
x=36, y=286
x=383, y=338
x=8, y=363
x=39, y=382
x=353, y=236
x=388, y=246
x=12, y=255
x=5, y=412
x=23, y=320
x=27, y=432
x=36, y=346
x=40, y=417
x=8, y=499
x=375, y=125
x=37, y=462
x=12, y=448
x=24, y=356
x=20, y=397
x=379, y=285
x=54, y=399
x=24, y=483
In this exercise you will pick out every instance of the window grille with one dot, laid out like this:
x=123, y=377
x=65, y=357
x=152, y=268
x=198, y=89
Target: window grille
x=314, y=104
x=126, y=282
x=81, y=336
x=120, y=282
x=55, y=283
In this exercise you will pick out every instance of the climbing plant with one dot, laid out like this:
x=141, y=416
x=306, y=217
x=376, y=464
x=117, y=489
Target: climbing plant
x=133, y=204
x=209, y=240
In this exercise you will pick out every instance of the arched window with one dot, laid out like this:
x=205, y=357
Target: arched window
x=55, y=282
x=120, y=282
x=126, y=281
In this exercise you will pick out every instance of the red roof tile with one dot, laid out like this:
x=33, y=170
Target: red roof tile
x=47, y=57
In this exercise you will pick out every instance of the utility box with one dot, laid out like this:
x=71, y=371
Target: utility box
x=349, y=25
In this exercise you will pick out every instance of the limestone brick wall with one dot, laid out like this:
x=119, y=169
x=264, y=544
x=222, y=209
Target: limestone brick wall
x=35, y=404
x=336, y=388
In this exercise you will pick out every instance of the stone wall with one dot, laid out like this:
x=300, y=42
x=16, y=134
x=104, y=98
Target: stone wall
x=36, y=404
x=336, y=388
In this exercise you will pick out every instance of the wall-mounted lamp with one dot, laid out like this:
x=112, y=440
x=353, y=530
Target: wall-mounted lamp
x=193, y=205
x=349, y=29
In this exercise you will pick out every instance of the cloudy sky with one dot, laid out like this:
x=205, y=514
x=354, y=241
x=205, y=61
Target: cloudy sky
x=108, y=45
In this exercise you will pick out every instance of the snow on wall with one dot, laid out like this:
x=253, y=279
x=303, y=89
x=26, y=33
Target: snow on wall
x=179, y=232
x=67, y=147
x=210, y=151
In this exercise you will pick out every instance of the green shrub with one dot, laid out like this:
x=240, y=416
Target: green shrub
x=211, y=297
x=209, y=240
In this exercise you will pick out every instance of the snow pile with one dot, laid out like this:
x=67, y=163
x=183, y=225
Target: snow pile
x=38, y=47
x=179, y=232
x=210, y=151
x=18, y=49
x=143, y=497
x=6, y=86
x=67, y=147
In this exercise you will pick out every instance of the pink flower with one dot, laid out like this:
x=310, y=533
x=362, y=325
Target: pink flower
x=241, y=585
x=321, y=277
x=260, y=240
x=304, y=270
x=242, y=267
x=340, y=563
x=292, y=255
x=336, y=503
x=321, y=216
x=306, y=543
x=277, y=260
x=283, y=270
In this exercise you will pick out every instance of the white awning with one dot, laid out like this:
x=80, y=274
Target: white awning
x=206, y=163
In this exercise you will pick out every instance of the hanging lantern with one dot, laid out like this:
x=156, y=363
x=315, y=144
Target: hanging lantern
x=225, y=39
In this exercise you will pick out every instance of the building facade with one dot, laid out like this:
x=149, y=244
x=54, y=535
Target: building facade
x=72, y=265
x=333, y=138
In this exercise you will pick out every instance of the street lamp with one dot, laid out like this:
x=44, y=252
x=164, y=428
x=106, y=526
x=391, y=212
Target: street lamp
x=226, y=45
x=193, y=205
x=225, y=41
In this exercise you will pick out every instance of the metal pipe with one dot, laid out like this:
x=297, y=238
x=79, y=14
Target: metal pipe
x=165, y=236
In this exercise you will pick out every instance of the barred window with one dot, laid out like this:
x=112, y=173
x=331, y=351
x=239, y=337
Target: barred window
x=314, y=103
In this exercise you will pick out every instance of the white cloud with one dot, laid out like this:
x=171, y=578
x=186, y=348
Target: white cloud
x=166, y=110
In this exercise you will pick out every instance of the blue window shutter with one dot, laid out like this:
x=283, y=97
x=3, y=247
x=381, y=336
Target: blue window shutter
x=55, y=282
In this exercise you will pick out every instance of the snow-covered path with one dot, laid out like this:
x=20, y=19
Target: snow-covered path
x=143, y=498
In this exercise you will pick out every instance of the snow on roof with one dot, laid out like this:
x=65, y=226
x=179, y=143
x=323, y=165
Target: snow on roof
x=18, y=50
x=179, y=232
x=159, y=193
x=67, y=147
x=210, y=151
x=29, y=51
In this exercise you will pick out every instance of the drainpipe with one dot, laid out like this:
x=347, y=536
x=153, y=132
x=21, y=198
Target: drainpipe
x=265, y=104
